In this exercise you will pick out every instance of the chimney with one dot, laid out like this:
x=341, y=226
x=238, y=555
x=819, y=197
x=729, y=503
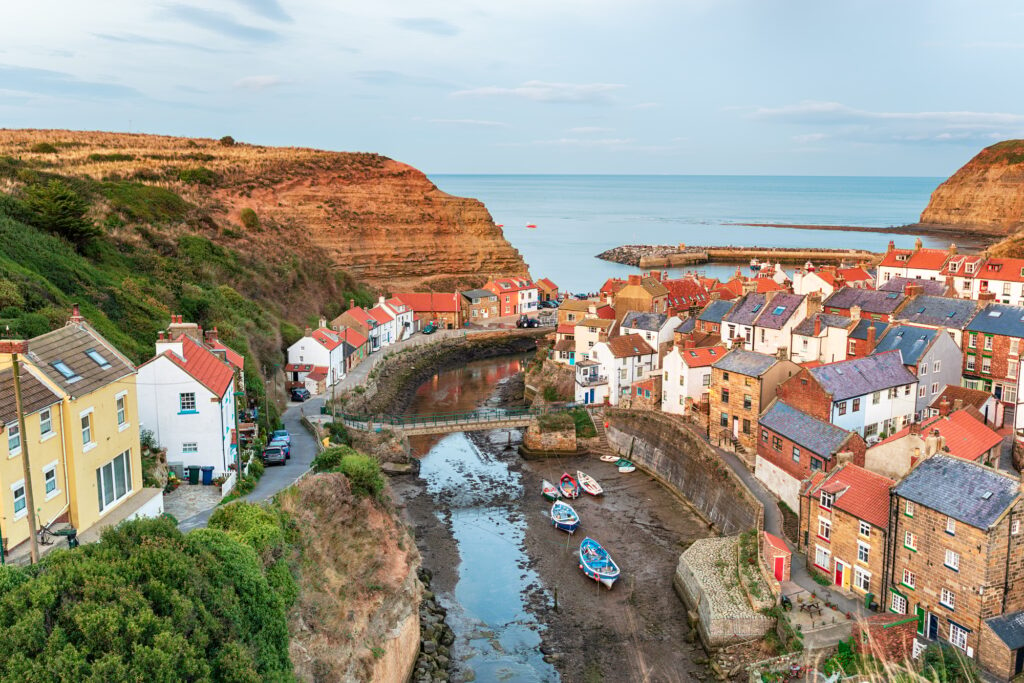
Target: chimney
x=351, y=303
x=817, y=325
x=944, y=406
x=844, y=457
x=634, y=279
x=951, y=286
x=309, y=331
x=13, y=346
x=323, y=321
x=380, y=300
x=813, y=303
x=782, y=353
x=917, y=245
x=912, y=290
x=871, y=337
x=76, y=316
x=931, y=443
x=688, y=342
x=855, y=312
x=915, y=428
x=952, y=249
x=170, y=343
x=891, y=247
x=656, y=275
x=958, y=404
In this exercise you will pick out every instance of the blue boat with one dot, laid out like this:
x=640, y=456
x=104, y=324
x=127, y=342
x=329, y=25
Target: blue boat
x=564, y=517
x=597, y=563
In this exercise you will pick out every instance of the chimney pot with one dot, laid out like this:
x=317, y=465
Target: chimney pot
x=309, y=331
x=958, y=403
x=76, y=314
x=944, y=406
x=634, y=279
x=817, y=325
x=871, y=337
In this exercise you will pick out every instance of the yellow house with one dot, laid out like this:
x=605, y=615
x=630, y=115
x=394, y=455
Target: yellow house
x=44, y=440
x=98, y=415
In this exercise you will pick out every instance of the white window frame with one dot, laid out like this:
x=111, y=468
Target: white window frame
x=122, y=411
x=950, y=526
x=863, y=552
x=48, y=422
x=182, y=402
x=101, y=483
x=897, y=603
x=827, y=500
x=908, y=509
x=1015, y=527
x=822, y=558
x=48, y=469
x=91, y=443
x=947, y=595
x=861, y=579
x=952, y=560
x=13, y=432
x=825, y=528
x=909, y=579
x=936, y=366
x=865, y=529
x=910, y=540
x=20, y=484
x=958, y=636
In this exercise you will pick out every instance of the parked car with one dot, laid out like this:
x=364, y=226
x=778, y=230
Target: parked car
x=525, y=321
x=283, y=435
x=283, y=445
x=274, y=455
x=429, y=328
x=300, y=394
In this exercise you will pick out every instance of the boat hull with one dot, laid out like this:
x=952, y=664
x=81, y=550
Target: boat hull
x=597, y=564
x=564, y=517
x=568, y=487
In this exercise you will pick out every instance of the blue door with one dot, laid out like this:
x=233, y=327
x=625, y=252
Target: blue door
x=590, y=398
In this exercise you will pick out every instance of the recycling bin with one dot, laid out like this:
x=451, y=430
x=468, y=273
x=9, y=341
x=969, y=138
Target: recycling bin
x=207, y=475
x=193, y=474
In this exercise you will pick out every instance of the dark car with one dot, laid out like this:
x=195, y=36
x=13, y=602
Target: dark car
x=527, y=322
x=283, y=445
x=300, y=394
x=274, y=455
x=430, y=328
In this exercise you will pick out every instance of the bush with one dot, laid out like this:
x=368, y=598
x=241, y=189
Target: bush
x=584, y=425
x=550, y=393
x=227, y=141
x=115, y=156
x=363, y=474
x=43, y=148
x=339, y=433
x=250, y=220
x=330, y=459
x=946, y=665
x=555, y=422
x=256, y=468
x=57, y=208
x=197, y=176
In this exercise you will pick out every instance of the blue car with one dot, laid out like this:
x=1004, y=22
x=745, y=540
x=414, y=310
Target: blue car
x=281, y=435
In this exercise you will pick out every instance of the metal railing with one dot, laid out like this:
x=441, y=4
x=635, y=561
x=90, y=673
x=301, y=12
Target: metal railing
x=478, y=416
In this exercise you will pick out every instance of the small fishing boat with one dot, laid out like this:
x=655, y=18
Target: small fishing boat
x=568, y=486
x=597, y=563
x=589, y=484
x=625, y=466
x=549, y=491
x=609, y=458
x=564, y=517
x=499, y=225
x=531, y=226
x=755, y=264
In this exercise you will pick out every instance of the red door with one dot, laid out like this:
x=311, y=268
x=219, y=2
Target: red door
x=839, y=573
x=780, y=564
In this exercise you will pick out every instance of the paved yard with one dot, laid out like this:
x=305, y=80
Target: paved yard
x=186, y=501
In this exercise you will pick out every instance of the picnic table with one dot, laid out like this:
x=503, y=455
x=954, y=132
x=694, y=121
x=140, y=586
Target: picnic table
x=811, y=608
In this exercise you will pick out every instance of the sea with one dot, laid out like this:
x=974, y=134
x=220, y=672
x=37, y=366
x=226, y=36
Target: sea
x=579, y=216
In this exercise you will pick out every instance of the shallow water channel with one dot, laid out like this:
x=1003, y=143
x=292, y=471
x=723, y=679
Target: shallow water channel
x=473, y=483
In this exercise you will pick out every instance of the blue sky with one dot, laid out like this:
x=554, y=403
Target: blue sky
x=536, y=86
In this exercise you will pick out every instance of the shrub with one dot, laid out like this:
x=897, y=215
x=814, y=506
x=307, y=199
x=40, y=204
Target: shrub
x=550, y=393
x=339, y=433
x=145, y=203
x=115, y=156
x=330, y=459
x=250, y=220
x=197, y=176
x=947, y=665
x=584, y=425
x=256, y=469
x=555, y=422
x=43, y=148
x=363, y=474
x=57, y=208
x=227, y=141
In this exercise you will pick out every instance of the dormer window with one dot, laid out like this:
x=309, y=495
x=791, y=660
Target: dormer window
x=98, y=358
x=827, y=499
x=901, y=257
x=66, y=372
x=954, y=266
x=969, y=267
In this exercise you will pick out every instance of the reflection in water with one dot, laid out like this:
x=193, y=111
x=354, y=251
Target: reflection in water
x=474, y=490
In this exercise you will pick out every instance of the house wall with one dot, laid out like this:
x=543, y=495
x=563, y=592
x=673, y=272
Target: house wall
x=483, y=310
x=804, y=392
x=309, y=351
x=843, y=545
x=947, y=354
x=1004, y=365
x=731, y=409
x=781, y=483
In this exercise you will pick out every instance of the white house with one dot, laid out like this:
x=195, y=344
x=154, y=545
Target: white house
x=591, y=384
x=687, y=375
x=820, y=338
x=404, y=317
x=623, y=360
x=926, y=264
x=384, y=331
x=186, y=397
x=320, y=347
x=655, y=328
x=781, y=313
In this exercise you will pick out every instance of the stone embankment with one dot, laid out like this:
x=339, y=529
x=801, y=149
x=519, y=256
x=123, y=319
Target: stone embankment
x=662, y=256
x=436, y=637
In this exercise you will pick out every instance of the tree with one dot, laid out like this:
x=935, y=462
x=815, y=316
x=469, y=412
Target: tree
x=227, y=141
x=57, y=208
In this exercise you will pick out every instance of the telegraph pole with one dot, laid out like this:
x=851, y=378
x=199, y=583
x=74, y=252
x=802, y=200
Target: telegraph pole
x=26, y=466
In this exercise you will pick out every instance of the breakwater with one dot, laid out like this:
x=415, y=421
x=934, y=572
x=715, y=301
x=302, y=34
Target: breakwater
x=668, y=256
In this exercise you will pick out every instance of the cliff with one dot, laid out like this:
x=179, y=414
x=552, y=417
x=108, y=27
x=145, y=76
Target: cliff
x=985, y=196
x=379, y=220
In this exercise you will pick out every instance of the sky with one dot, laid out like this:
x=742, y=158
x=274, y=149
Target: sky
x=536, y=86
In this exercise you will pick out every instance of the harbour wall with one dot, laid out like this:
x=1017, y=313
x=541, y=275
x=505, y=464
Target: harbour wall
x=739, y=255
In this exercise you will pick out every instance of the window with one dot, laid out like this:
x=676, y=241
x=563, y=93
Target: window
x=876, y=398
x=746, y=424
x=748, y=401
x=725, y=376
x=861, y=579
x=898, y=604
x=922, y=391
x=764, y=435
x=187, y=402
x=190, y=447
x=970, y=362
x=947, y=599
x=909, y=509
x=952, y=560
x=18, y=493
x=972, y=341
x=856, y=405
x=824, y=529
x=950, y=526
x=816, y=465
x=827, y=499
x=908, y=390
x=865, y=528
x=988, y=342
x=958, y=635
x=1014, y=346
x=777, y=443
x=1015, y=527
x=841, y=406
x=97, y=358
x=922, y=369
x=114, y=480
x=87, y=429
x=936, y=366
x=910, y=541
x=1009, y=393
x=863, y=552
x=13, y=440
x=69, y=375
x=796, y=454
x=822, y=558
x=725, y=395
x=852, y=347
x=45, y=424
x=724, y=420
x=1006, y=289
x=50, y=480
x=122, y=415
x=1011, y=368
x=706, y=381
x=986, y=365
x=935, y=388
x=909, y=579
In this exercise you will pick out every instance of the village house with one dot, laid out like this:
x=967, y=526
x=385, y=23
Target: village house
x=212, y=341
x=992, y=348
x=444, y=309
x=872, y=396
x=644, y=394
x=623, y=360
x=186, y=397
x=321, y=347
x=929, y=353
x=655, y=328
x=571, y=311
x=312, y=378
x=864, y=303
x=861, y=340
x=927, y=287
x=955, y=551
x=591, y=383
x=825, y=280
x=709, y=320
x=955, y=397
x=687, y=376
x=405, y=316
x=737, y=328
x=356, y=347
x=926, y=264
x=354, y=318
x=939, y=313
x=686, y=295
x=516, y=295
x=589, y=331
x=961, y=433
x=844, y=527
x=384, y=330
x=959, y=273
x=479, y=305
x=641, y=293
x=546, y=290
x=820, y=338
x=794, y=445
x=743, y=383
x=774, y=325
x=1003, y=277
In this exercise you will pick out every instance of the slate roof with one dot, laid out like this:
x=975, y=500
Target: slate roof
x=747, y=309
x=1000, y=319
x=869, y=300
x=939, y=310
x=715, y=311
x=479, y=294
x=637, y=320
x=911, y=342
x=862, y=493
x=806, y=326
x=929, y=287
x=817, y=436
x=35, y=395
x=745, y=362
x=687, y=326
x=69, y=344
x=970, y=493
x=861, y=376
x=861, y=330
x=1009, y=628
x=629, y=345
x=779, y=310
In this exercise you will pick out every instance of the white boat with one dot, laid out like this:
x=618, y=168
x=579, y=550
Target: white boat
x=625, y=466
x=609, y=458
x=588, y=483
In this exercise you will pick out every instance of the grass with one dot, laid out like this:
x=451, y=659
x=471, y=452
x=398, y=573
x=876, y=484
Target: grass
x=555, y=422
x=584, y=425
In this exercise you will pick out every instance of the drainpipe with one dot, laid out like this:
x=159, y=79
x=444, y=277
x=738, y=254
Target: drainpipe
x=64, y=461
x=1006, y=571
x=889, y=557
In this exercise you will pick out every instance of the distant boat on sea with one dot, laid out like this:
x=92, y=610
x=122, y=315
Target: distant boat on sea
x=531, y=226
x=499, y=225
x=755, y=264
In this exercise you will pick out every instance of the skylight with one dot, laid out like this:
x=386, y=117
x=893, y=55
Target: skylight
x=891, y=295
x=97, y=358
x=65, y=371
x=950, y=314
x=779, y=310
x=756, y=308
x=921, y=310
x=994, y=314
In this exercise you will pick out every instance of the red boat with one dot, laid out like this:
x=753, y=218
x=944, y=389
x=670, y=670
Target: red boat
x=568, y=486
x=531, y=225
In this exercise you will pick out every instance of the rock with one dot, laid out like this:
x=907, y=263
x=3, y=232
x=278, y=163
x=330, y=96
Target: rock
x=442, y=661
x=429, y=646
x=428, y=596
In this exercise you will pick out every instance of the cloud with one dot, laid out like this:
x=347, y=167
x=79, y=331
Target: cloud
x=388, y=78
x=431, y=25
x=136, y=39
x=220, y=22
x=541, y=91
x=809, y=138
x=268, y=9
x=588, y=130
x=470, y=122
x=45, y=82
x=258, y=82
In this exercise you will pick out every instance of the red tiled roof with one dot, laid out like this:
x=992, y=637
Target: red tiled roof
x=329, y=339
x=866, y=494
x=966, y=436
x=380, y=315
x=298, y=367
x=702, y=356
x=1002, y=269
x=629, y=345
x=766, y=284
x=203, y=366
x=233, y=357
x=318, y=373
x=612, y=285
x=685, y=291
x=775, y=541
x=506, y=285
x=360, y=315
x=353, y=337
x=430, y=302
x=854, y=274
x=961, y=261
x=566, y=328
x=928, y=259
x=547, y=283
x=397, y=304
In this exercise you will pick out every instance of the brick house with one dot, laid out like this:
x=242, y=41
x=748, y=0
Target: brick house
x=871, y=396
x=516, y=295
x=1001, y=646
x=844, y=522
x=861, y=340
x=546, y=290
x=793, y=445
x=776, y=556
x=641, y=293
x=743, y=384
x=955, y=397
x=444, y=309
x=864, y=303
x=479, y=305
x=992, y=349
x=955, y=555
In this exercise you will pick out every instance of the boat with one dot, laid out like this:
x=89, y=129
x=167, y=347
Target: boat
x=549, y=490
x=568, y=487
x=597, y=563
x=625, y=466
x=755, y=264
x=589, y=484
x=609, y=458
x=500, y=225
x=564, y=517
x=531, y=226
